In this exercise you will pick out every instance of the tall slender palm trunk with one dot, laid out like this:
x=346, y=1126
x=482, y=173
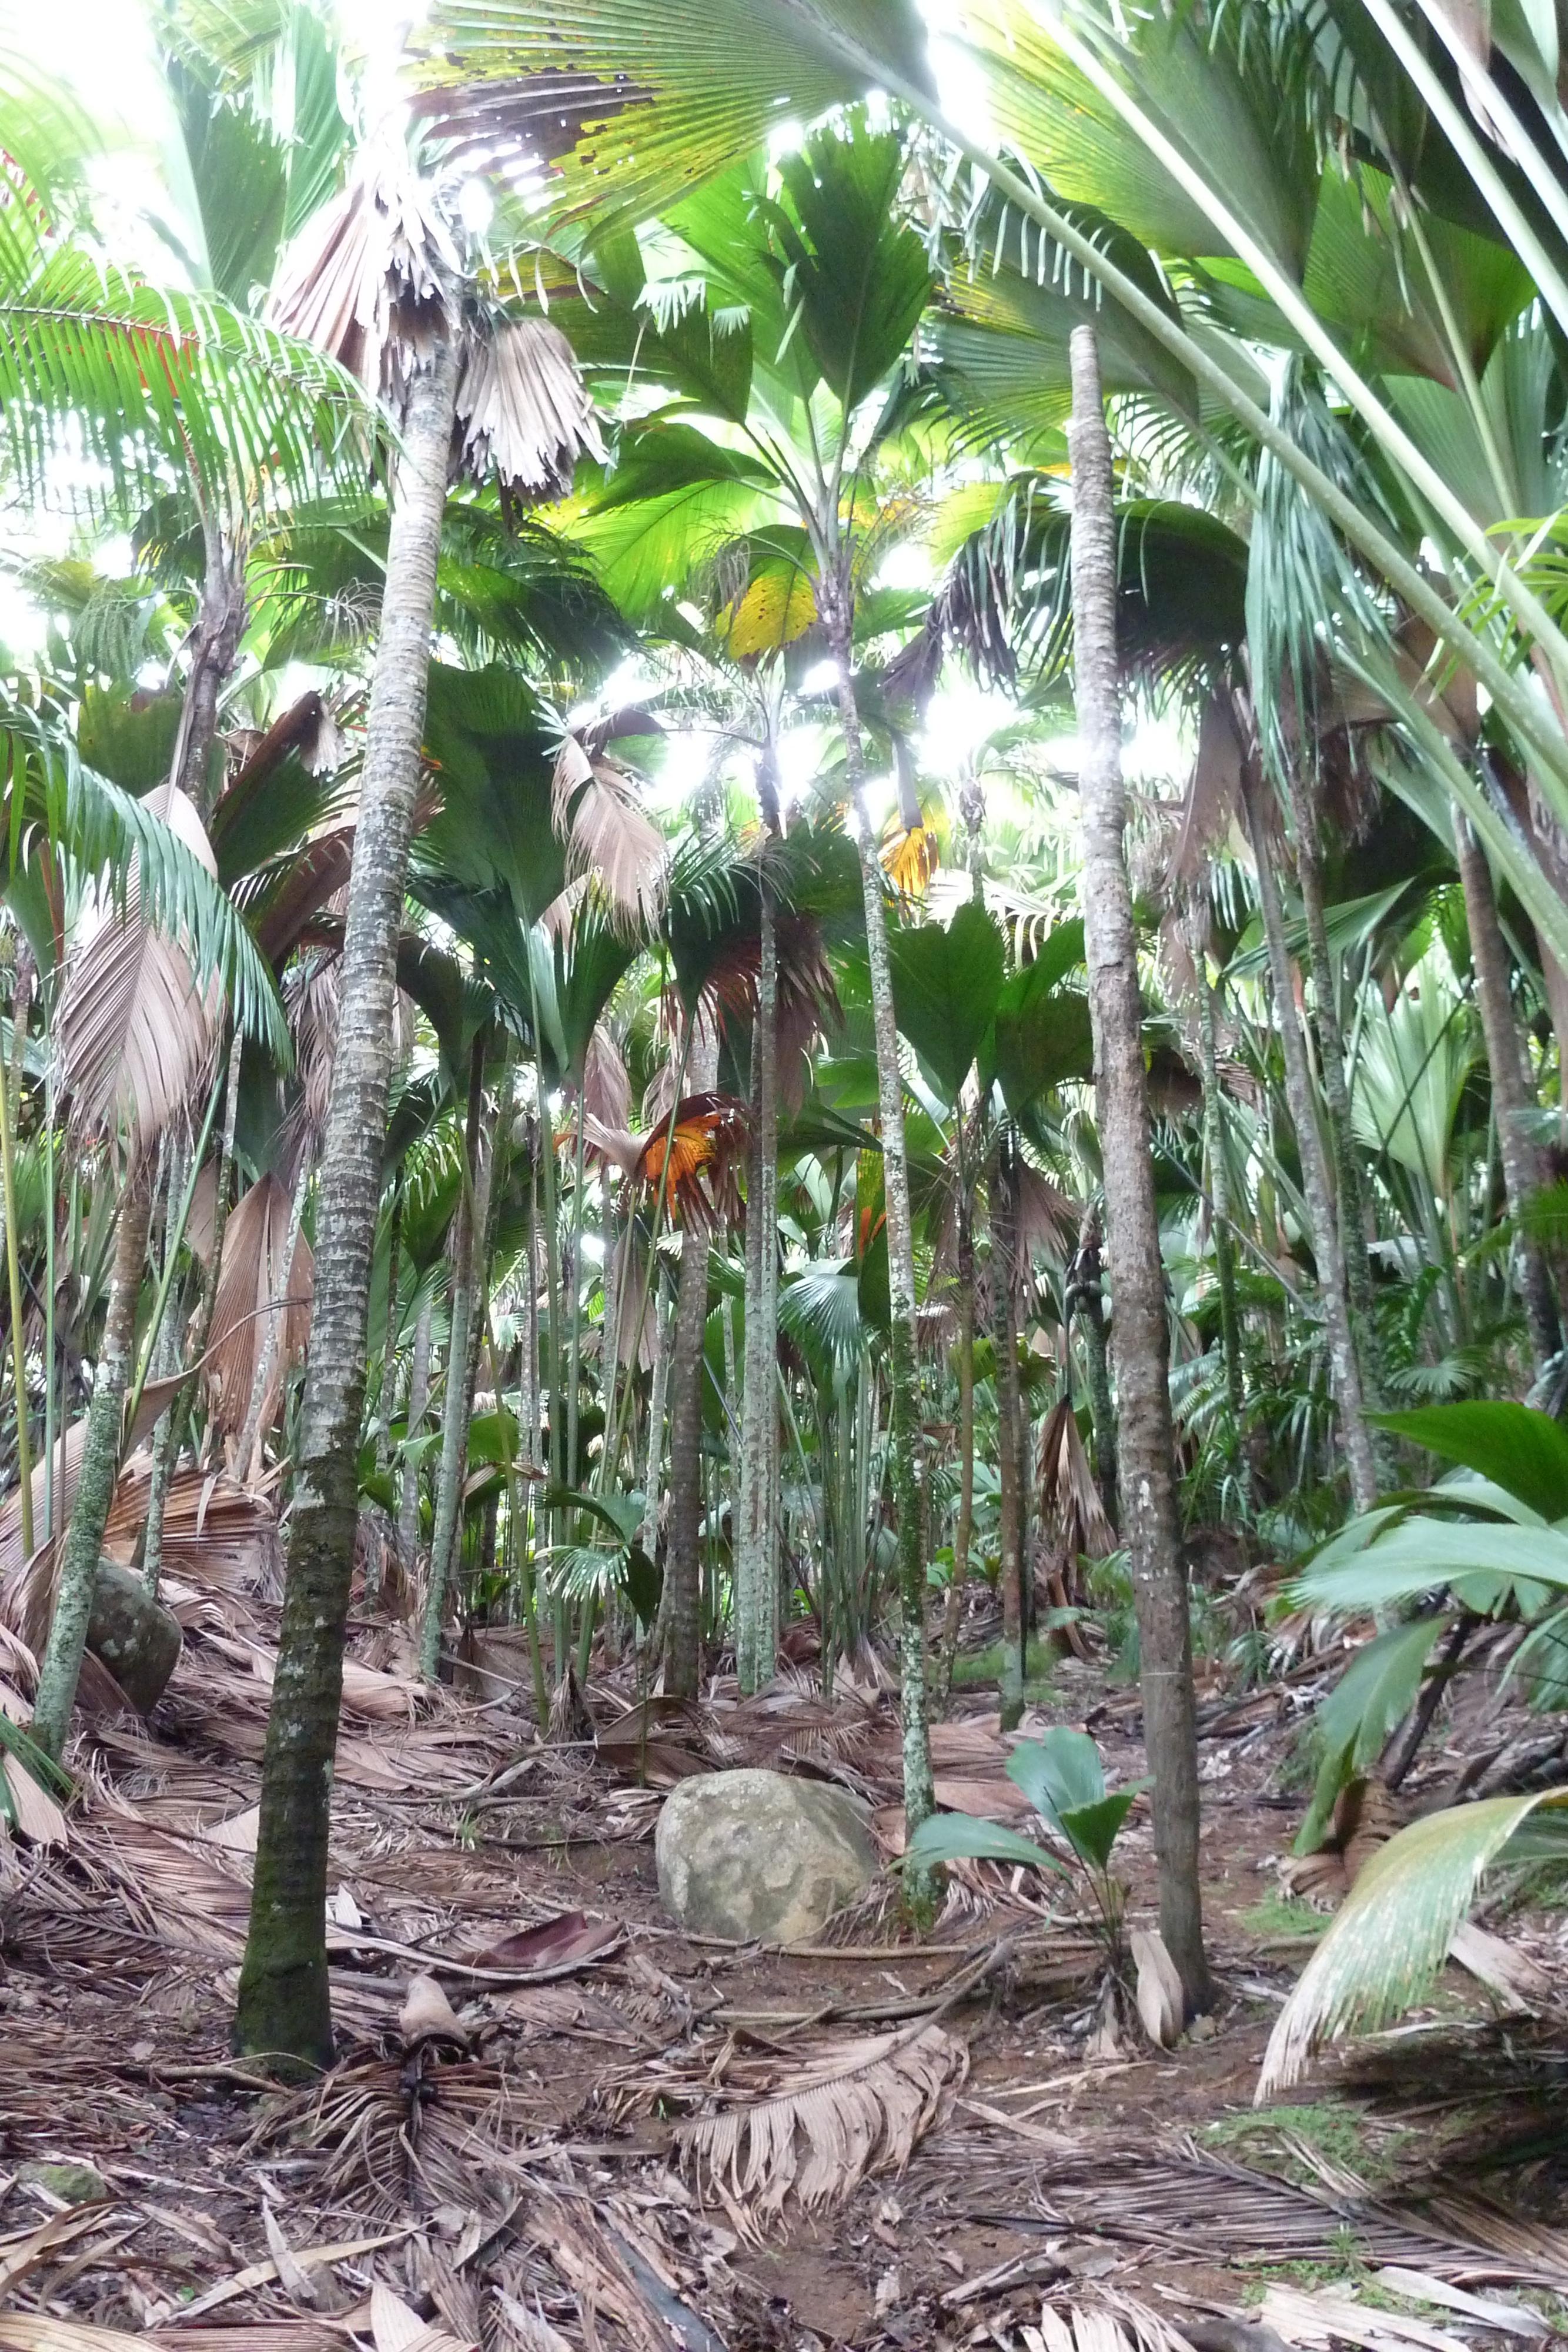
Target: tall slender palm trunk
x=172, y=1429
x=454, y=1416
x=683, y=1563
x=1511, y=1092
x=1350, y=1192
x=964, y=1525
x=215, y=644
x=1146, y=1440
x=1342, y=1359
x=1009, y=1466
x=285, y=2008
x=414, y=1420
x=835, y=596
x=61, y=1661
x=1220, y=1199
x=756, y=1555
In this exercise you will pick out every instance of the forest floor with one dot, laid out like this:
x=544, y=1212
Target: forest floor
x=549, y=2123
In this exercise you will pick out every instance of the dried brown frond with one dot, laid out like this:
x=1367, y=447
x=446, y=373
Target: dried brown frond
x=595, y=811
x=312, y=995
x=367, y=278
x=136, y=1037
x=251, y=1278
x=816, y=2123
x=1071, y=1505
x=525, y=413
x=317, y=873
x=606, y=1087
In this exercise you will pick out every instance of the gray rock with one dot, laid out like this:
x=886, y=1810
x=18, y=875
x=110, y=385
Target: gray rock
x=760, y=1855
x=134, y=1635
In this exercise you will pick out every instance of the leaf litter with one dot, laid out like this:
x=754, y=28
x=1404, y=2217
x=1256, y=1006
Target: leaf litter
x=556, y=2121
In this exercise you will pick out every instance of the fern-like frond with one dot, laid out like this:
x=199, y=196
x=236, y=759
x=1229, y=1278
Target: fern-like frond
x=1390, y=1936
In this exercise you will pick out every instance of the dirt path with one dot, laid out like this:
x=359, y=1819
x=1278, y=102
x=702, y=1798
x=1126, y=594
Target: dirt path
x=513, y=2167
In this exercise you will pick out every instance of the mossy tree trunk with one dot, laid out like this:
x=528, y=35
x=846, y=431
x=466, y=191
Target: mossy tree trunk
x=1220, y=1199
x=1350, y=1195
x=455, y=1415
x=1146, y=1439
x=284, y=2008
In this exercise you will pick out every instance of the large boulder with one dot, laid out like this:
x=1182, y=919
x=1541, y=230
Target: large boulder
x=759, y=1856
x=134, y=1635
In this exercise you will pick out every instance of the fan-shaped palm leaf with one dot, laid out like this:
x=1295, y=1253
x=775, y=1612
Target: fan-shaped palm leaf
x=820, y=1309
x=511, y=75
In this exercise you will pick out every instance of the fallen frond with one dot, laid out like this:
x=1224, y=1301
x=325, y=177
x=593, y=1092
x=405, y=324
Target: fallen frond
x=818, y=2127
x=1393, y=1931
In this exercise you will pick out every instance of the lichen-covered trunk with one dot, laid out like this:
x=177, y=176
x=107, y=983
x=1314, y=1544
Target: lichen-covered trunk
x=1315, y=1188
x=454, y=1417
x=1511, y=1092
x=61, y=1661
x=1146, y=1440
x=1004, y=1328
x=284, y=2007
x=1350, y=1195
x=682, y=1558
x=1219, y=1201
x=756, y=1555
x=904, y=1367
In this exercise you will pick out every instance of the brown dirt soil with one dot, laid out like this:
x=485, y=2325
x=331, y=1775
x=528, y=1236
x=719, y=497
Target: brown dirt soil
x=519, y=2174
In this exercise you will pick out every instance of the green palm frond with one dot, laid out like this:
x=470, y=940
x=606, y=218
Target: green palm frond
x=108, y=833
x=138, y=380
x=1390, y=1936
x=695, y=85
x=820, y=1309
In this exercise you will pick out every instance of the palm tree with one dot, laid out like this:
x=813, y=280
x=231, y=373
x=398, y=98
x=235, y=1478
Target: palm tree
x=1146, y=1440
x=374, y=277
